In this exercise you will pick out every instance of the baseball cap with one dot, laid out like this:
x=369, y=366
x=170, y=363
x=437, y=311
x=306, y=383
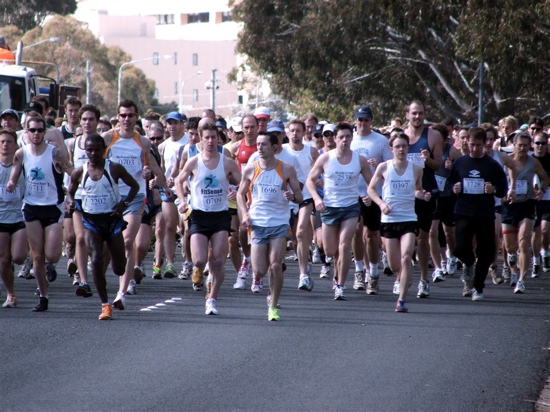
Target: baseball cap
x=363, y=112
x=221, y=123
x=318, y=129
x=262, y=112
x=235, y=124
x=10, y=112
x=276, y=126
x=174, y=116
x=329, y=128
x=33, y=106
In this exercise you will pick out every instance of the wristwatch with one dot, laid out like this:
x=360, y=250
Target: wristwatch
x=126, y=204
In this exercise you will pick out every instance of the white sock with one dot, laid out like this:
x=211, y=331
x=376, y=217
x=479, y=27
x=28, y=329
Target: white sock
x=373, y=269
x=359, y=266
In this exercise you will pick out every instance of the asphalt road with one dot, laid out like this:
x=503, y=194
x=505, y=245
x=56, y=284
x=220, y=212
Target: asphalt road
x=447, y=354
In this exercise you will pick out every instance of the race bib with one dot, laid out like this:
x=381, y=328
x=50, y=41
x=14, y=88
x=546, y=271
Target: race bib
x=521, y=187
x=96, y=204
x=440, y=182
x=6, y=196
x=473, y=186
x=415, y=158
x=37, y=190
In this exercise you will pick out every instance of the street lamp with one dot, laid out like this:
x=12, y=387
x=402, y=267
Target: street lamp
x=199, y=73
x=50, y=40
x=123, y=65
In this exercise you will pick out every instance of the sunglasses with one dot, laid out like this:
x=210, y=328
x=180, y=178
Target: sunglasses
x=125, y=115
x=328, y=134
x=33, y=130
x=540, y=143
x=156, y=138
x=536, y=129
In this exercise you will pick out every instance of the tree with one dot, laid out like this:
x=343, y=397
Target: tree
x=27, y=14
x=77, y=44
x=329, y=56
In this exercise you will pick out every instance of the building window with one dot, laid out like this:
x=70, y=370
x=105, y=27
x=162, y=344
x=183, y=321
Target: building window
x=195, y=59
x=155, y=58
x=198, y=17
x=156, y=94
x=176, y=88
x=241, y=99
x=165, y=19
x=226, y=16
x=175, y=58
x=195, y=95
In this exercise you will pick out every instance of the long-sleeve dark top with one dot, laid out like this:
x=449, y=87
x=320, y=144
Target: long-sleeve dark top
x=478, y=205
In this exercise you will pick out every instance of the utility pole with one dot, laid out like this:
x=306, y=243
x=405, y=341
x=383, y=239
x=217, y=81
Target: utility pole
x=212, y=86
x=480, y=95
x=88, y=82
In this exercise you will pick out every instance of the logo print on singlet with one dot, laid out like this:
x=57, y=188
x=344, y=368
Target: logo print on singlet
x=37, y=174
x=211, y=182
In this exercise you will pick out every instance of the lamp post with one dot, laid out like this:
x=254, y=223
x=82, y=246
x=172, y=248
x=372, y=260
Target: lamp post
x=182, y=84
x=21, y=46
x=50, y=40
x=123, y=65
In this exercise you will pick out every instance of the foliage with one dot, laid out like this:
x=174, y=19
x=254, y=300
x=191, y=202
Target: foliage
x=330, y=56
x=27, y=14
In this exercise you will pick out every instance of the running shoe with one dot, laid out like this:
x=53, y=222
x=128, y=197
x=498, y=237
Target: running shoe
x=106, y=311
x=186, y=271
x=273, y=314
x=83, y=290
x=306, y=283
x=156, y=272
x=132, y=289
x=316, y=256
x=240, y=283
x=372, y=285
x=438, y=276
x=506, y=274
x=396, y=287
x=10, y=302
x=325, y=272
x=546, y=264
x=169, y=271
x=42, y=305
x=513, y=279
x=120, y=301
x=211, y=307
x=25, y=271
x=339, y=293
x=359, y=282
x=139, y=273
x=257, y=284
x=495, y=277
x=451, y=265
x=520, y=287
x=51, y=272
x=76, y=279
x=400, y=306
x=477, y=296
x=198, y=280
x=423, y=289
x=245, y=269
x=71, y=267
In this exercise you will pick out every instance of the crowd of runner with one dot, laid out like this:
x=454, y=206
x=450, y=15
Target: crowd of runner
x=108, y=191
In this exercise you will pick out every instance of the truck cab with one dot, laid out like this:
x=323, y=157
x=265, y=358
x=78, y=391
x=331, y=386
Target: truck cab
x=18, y=85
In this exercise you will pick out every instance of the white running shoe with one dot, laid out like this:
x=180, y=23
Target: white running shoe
x=359, y=282
x=438, y=276
x=423, y=289
x=396, y=287
x=257, y=284
x=211, y=307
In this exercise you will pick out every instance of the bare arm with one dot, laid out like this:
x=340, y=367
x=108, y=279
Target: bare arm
x=241, y=195
x=76, y=178
x=290, y=174
x=379, y=177
x=188, y=170
x=435, y=141
x=15, y=171
x=314, y=173
x=61, y=161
